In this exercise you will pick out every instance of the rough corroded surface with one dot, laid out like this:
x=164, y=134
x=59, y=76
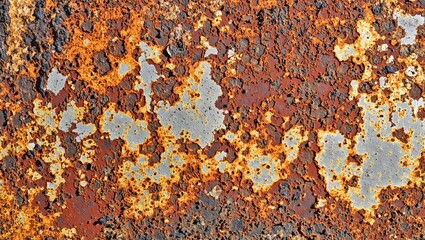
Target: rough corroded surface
x=212, y=119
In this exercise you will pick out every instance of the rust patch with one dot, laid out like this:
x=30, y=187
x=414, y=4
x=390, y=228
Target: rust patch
x=211, y=119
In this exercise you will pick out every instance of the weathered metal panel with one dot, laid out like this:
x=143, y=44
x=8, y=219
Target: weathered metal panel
x=212, y=119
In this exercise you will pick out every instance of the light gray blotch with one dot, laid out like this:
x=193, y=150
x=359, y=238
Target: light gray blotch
x=69, y=116
x=333, y=157
x=56, y=81
x=410, y=25
x=198, y=117
x=265, y=176
x=124, y=127
x=83, y=130
x=123, y=69
x=148, y=72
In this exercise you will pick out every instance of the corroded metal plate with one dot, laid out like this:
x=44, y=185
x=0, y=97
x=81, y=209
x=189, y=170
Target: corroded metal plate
x=212, y=119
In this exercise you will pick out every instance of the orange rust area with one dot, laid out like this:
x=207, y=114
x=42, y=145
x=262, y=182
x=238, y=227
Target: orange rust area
x=211, y=119
x=95, y=37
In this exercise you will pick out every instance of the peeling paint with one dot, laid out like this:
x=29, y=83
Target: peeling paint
x=121, y=125
x=409, y=24
x=148, y=72
x=194, y=117
x=56, y=81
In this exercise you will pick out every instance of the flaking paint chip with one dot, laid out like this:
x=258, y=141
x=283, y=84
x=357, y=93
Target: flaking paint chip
x=56, y=81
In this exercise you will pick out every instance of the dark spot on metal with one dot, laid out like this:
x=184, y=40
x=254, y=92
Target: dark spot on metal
x=391, y=69
x=101, y=63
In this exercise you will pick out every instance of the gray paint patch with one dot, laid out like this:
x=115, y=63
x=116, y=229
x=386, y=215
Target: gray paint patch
x=46, y=117
x=211, y=51
x=345, y=53
x=69, y=116
x=402, y=117
x=292, y=140
x=148, y=72
x=136, y=169
x=162, y=170
x=264, y=171
x=83, y=130
x=55, y=81
x=386, y=161
x=123, y=69
x=410, y=25
x=120, y=125
x=382, y=165
x=333, y=158
x=196, y=118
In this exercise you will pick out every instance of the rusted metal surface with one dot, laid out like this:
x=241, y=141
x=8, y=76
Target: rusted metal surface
x=212, y=119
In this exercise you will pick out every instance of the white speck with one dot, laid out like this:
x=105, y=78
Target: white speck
x=83, y=183
x=220, y=156
x=84, y=159
x=56, y=81
x=411, y=71
x=383, y=82
x=222, y=167
x=21, y=217
x=416, y=104
x=51, y=185
x=320, y=203
x=230, y=136
x=31, y=146
x=383, y=47
x=215, y=192
x=292, y=141
x=354, y=88
x=345, y=52
x=211, y=51
x=230, y=53
x=390, y=59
